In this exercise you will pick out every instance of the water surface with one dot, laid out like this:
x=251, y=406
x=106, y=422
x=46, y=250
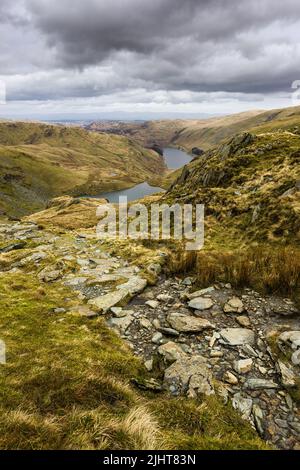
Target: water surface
x=174, y=159
x=137, y=192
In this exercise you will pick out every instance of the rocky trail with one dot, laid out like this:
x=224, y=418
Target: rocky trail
x=238, y=344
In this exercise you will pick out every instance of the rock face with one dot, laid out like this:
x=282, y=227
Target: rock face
x=200, y=303
x=189, y=375
x=237, y=336
x=104, y=303
x=187, y=324
x=197, y=151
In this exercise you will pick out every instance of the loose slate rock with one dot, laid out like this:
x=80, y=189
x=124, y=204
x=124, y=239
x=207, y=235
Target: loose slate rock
x=242, y=404
x=201, y=303
x=105, y=302
x=288, y=377
x=191, y=375
x=234, y=305
x=260, y=384
x=243, y=366
x=171, y=351
x=186, y=324
x=135, y=285
x=237, y=336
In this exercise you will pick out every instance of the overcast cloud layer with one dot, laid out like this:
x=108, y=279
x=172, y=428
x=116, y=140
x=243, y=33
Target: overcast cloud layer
x=142, y=55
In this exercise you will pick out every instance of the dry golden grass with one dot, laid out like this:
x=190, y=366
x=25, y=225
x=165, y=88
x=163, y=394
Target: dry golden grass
x=272, y=269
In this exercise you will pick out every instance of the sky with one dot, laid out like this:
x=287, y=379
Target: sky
x=147, y=57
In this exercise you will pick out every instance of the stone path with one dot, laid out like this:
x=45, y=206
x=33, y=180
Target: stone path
x=214, y=340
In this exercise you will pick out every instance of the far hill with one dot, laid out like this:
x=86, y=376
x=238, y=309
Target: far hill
x=206, y=133
x=39, y=162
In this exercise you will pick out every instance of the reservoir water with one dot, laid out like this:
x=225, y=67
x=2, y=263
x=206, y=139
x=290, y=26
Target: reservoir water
x=174, y=159
x=138, y=191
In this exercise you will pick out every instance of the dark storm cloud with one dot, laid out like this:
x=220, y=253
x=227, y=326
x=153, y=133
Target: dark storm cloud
x=96, y=47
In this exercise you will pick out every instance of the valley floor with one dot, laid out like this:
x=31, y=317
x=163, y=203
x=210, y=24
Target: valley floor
x=95, y=359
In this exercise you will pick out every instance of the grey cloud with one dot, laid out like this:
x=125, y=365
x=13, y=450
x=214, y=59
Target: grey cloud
x=55, y=49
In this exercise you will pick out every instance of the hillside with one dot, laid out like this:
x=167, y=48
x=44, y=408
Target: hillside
x=205, y=133
x=250, y=186
x=39, y=162
x=122, y=340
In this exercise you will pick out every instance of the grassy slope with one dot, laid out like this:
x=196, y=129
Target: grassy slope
x=252, y=211
x=39, y=162
x=66, y=385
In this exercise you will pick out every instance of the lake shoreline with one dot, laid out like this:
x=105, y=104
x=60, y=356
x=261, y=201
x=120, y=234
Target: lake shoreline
x=172, y=156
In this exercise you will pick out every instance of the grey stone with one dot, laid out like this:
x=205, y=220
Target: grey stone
x=234, y=305
x=200, y=293
x=187, y=324
x=200, y=303
x=242, y=404
x=288, y=377
x=191, y=375
x=152, y=303
x=258, y=417
x=47, y=275
x=243, y=366
x=156, y=338
x=121, y=323
x=290, y=338
x=230, y=378
x=243, y=321
x=170, y=351
x=296, y=357
x=237, y=336
x=145, y=323
x=112, y=299
x=134, y=285
x=168, y=331
x=260, y=384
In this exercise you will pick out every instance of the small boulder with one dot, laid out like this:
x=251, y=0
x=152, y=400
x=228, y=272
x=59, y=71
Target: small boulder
x=200, y=303
x=237, y=336
x=152, y=303
x=230, y=378
x=243, y=366
x=190, y=375
x=234, y=305
x=186, y=324
x=170, y=351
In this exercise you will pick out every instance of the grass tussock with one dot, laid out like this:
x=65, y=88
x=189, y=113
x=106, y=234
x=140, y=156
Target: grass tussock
x=271, y=269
